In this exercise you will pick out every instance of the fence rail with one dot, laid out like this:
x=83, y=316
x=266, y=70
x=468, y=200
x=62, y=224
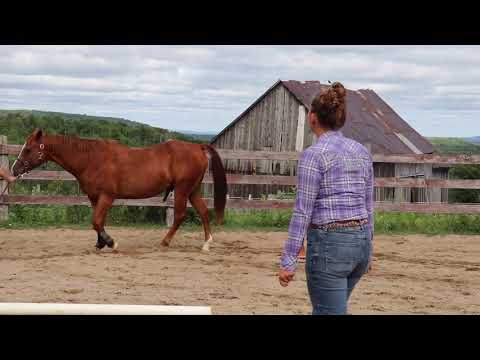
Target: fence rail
x=238, y=204
x=393, y=182
x=8, y=149
x=288, y=180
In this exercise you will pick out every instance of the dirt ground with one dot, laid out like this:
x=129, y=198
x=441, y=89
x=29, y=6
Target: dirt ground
x=412, y=275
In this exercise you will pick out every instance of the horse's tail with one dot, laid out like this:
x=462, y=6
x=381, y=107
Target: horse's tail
x=219, y=183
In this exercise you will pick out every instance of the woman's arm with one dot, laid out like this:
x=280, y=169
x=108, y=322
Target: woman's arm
x=309, y=176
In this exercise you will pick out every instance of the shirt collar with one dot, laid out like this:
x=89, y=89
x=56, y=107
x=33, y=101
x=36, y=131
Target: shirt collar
x=328, y=134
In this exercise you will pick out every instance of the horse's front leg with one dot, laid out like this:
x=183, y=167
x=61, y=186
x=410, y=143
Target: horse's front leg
x=103, y=204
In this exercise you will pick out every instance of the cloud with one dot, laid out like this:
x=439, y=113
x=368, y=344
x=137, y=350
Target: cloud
x=435, y=88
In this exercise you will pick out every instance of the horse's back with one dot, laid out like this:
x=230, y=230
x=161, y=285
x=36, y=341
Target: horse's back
x=189, y=158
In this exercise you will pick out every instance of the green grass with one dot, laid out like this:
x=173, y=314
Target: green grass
x=385, y=223
x=48, y=216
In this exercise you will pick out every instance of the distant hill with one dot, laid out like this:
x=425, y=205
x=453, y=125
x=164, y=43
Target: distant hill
x=198, y=135
x=454, y=146
x=68, y=116
x=475, y=139
x=17, y=125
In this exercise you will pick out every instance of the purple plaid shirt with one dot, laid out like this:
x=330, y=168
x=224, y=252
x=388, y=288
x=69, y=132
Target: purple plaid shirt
x=335, y=183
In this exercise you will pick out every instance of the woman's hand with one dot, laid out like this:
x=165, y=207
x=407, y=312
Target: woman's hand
x=284, y=277
x=5, y=174
x=370, y=264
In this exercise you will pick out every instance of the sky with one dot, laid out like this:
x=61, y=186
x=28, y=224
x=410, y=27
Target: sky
x=436, y=89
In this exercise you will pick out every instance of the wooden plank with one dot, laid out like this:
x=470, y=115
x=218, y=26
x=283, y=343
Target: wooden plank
x=257, y=179
x=388, y=182
x=44, y=200
x=154, y=201
x=428, y=208
x=427, y=183
x=378, y=158
x=3, y=183
x=6, y=149
x=77, y=200
x=245, y=204
x=16, y=308
x=257, y=155
x=272, y=155
x=428, y=159
x=300, y=128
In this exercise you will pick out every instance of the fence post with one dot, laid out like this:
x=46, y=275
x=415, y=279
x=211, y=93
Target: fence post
x=170, y=216
x=4, y=164
x=170, y=213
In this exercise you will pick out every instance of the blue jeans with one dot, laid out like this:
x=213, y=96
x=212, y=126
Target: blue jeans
x=335, y=262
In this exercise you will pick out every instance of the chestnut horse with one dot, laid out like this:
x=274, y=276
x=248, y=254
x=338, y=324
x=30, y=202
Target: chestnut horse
x=107, y=170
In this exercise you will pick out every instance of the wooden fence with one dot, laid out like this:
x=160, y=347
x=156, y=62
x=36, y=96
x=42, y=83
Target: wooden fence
x=8, y=199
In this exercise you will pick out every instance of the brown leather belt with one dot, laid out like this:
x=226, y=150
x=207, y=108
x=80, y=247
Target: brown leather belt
x=340, y=224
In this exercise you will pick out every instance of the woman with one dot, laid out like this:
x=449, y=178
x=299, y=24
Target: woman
x=333, y=206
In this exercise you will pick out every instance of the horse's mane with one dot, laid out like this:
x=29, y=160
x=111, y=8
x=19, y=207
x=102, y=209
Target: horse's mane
x=84, y=144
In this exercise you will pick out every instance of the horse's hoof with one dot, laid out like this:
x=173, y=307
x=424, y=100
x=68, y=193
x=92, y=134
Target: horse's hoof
x=165, y=244
x=113, y=245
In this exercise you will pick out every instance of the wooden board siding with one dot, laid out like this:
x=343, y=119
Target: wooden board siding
x=421, y=171
x=440, y=173
x=271, y=125
x=384, y=170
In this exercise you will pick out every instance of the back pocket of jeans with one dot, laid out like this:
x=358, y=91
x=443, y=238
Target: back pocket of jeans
x=344, y=251
x=340, y=268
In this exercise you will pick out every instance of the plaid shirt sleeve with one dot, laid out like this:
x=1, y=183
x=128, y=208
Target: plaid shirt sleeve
x=309, y=177
x=369, y=197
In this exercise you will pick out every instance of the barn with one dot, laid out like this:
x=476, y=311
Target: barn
x=276, y=121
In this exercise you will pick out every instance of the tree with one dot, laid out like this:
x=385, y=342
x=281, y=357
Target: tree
x=466, y=172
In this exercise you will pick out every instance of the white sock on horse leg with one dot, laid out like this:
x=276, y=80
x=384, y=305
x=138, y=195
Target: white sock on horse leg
x=206, y=246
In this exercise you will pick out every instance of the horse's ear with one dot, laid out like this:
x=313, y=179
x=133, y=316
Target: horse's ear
x=37, y=134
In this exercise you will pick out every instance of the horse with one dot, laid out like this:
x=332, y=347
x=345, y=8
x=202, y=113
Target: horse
x=107, y=170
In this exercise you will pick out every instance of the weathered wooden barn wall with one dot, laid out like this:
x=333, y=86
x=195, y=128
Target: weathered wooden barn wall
x=426, y=171
x=271, y=125
x=440, y=195
x=384, y=170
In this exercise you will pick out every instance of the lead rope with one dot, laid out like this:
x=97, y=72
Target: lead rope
x=6, y=188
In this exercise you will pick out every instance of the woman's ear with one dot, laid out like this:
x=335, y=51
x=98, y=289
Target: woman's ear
x=312, y=118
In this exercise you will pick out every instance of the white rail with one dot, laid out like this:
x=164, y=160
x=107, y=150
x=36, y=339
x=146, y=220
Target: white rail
x=99, y=309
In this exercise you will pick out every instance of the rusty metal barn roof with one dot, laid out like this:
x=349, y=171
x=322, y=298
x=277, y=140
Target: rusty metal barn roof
x=369, y=120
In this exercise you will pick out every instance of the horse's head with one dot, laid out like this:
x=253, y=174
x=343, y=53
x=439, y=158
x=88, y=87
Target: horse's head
x=32, y=154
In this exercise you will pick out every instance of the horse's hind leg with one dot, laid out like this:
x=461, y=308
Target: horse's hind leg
x=201, y=208
x=102, y=206
x=180, y=213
